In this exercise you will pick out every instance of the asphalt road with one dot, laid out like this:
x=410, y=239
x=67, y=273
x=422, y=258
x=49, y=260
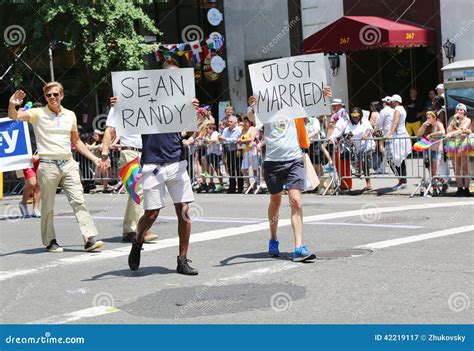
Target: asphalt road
x=413, y=264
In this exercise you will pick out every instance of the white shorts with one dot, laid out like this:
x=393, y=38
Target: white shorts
x=172, y=176
x=249, y=160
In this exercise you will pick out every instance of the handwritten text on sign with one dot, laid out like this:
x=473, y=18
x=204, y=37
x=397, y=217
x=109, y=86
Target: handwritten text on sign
x=154, y=101
x=292, y=86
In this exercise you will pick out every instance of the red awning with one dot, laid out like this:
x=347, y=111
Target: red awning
x=351, y=33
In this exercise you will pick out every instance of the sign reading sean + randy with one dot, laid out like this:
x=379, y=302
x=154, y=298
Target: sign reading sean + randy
x=291, y=86
x=154, y=101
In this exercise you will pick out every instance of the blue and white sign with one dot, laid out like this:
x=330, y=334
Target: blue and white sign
x=15, y=145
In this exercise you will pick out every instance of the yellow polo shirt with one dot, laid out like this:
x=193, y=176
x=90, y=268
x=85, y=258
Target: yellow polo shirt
x=53, y=132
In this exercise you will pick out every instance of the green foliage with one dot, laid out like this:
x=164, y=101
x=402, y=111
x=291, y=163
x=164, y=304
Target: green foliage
x=103, y=33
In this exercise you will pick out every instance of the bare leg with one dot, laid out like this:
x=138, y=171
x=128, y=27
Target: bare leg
x=294, y=196
x=274, y=214
x=145, y=223
x=184, y=227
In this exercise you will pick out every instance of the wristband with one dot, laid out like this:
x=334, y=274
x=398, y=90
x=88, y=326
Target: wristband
x=104, y=156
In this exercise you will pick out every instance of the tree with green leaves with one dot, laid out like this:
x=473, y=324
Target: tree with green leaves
x=104, y=35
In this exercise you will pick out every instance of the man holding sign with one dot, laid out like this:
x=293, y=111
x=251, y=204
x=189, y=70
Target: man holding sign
x=153, y=103
x=284, y=90
x=56, y=129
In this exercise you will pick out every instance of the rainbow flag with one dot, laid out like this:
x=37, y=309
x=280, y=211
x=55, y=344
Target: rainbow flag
x=131, y=174
x=422, y=145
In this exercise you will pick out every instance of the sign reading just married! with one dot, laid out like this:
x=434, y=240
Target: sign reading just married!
x=154, y=101
x=291, y=86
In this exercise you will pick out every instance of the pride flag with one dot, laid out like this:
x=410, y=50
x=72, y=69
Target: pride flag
x=131, y=174
x=422, y=145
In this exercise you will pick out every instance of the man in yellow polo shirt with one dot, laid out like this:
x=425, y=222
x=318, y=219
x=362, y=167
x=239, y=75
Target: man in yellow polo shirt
x=56, y=130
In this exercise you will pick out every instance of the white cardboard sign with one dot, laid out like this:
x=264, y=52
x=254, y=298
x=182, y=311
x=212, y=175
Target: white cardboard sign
x=291, y=86
x=154, y=101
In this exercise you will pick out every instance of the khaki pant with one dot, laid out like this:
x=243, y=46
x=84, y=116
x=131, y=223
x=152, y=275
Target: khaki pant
x=133, y=212
x=50, y=176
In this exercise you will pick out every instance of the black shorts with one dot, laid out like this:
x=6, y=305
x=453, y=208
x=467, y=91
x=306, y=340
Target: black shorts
x=284, y=173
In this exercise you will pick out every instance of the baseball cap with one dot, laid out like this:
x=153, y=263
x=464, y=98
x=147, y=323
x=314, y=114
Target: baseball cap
x=461, y=107
x=387, y=99
x=396, y=98
x=440, y=86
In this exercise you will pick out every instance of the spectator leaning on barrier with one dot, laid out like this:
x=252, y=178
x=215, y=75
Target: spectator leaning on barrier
x=398, y=142
x=343, y=167
x=438, y=106
x=230, y=137
x=249, y=157
x=433, y=130
x=284, y=168
x=459, y=146
x=130, y=149
x=214, y=157
x=361, y=131
x=55, y=130
x=100, y=172
x=164, y=170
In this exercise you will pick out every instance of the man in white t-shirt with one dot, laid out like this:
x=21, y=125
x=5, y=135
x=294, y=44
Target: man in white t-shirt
x=130, y=149
x=385, y=120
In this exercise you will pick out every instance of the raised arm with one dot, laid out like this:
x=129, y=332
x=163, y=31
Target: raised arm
x=16, y=100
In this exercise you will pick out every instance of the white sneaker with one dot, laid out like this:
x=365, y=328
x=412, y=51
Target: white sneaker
x=36, y=213
x=24, y=209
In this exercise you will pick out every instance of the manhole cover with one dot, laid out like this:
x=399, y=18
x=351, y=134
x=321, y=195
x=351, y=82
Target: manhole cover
x=332, y=254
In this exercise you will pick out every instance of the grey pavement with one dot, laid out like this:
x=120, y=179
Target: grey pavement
x=424, y=281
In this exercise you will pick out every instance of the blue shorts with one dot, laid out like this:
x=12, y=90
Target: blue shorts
x=435, y=155
x=288, y=174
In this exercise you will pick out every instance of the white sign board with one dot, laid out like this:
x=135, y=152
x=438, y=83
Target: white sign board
x=154, y=101
x=291, y=86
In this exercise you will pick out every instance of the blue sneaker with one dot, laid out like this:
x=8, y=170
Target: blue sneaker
x=273, y=248
x=329, y=168
x=302, y=254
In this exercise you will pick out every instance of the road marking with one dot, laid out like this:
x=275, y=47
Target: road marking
x=221, y=233
x=77, y=315
x=400, y=226
x=102, y=310
x=415, y=238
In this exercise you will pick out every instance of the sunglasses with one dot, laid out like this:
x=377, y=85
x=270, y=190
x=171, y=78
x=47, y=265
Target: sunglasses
x=52, y=94
x=355, y=114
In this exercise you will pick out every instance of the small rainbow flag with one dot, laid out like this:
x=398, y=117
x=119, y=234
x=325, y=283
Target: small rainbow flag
x=131, y=174
x=422, y=145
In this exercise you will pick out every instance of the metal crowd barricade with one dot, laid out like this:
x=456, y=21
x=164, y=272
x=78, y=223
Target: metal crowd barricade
x=88, y=170
x=454, y=159
x=229, y=164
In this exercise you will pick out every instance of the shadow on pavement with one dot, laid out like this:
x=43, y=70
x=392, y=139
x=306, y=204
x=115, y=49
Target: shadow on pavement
x=127, y=273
